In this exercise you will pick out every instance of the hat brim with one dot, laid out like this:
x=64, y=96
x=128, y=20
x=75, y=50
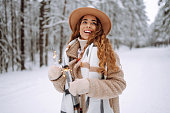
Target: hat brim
x=78, y=13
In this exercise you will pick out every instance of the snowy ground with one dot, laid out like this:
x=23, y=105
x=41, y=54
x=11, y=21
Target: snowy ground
x=147, y=72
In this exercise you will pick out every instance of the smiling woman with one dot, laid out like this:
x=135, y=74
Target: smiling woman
x=94, y=78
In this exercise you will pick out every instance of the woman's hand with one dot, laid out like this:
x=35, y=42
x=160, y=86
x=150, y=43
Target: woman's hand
x=54, y=72
x=79, y=86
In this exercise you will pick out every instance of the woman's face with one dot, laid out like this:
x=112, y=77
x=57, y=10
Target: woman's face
x=87, y=26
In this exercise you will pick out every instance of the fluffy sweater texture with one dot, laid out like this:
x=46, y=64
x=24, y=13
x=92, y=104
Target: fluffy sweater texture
x=109, y=88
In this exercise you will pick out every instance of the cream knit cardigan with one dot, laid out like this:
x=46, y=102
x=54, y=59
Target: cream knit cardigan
x=110, y=88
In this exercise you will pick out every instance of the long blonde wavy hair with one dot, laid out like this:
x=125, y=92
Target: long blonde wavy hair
x=105, y=52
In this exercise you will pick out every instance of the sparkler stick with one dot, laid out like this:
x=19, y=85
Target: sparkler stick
x=75, y=99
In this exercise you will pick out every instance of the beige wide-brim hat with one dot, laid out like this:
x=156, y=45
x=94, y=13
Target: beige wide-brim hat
x=78, y=13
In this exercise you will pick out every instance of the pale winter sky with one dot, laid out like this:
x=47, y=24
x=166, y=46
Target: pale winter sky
x=151, y=9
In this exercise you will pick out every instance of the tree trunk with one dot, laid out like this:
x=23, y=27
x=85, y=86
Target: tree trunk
x=6, y=18
x=1, y=66
x=5, y=36
x=61, y=44
x=32, y=39
x=41, y=35
x=62, y=35
x=46, y=50
x=22, y=37
x=12, y=34
x=16, y=44
x=47, y=31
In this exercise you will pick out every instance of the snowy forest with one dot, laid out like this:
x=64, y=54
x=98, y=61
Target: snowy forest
x=30, y=29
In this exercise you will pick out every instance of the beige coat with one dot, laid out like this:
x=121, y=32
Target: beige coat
x=110, y=88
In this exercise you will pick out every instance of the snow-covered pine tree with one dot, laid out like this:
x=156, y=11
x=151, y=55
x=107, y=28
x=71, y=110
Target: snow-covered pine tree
x=135, y=23
x=142, y=25
x=161, y=27
x=114, y=9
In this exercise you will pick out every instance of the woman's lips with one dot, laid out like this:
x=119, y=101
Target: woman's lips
x=87, y=31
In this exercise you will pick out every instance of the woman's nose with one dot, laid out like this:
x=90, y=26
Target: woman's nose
x=88, y=25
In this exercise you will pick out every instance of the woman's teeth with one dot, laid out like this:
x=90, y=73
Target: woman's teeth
x=87, y=31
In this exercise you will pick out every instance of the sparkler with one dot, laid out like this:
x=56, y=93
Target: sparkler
x=55, y=57
x=65, y=68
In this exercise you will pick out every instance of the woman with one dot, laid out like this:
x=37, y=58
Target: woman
x=95, y=78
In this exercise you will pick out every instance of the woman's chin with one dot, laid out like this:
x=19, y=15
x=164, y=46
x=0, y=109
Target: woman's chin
x=84, y=38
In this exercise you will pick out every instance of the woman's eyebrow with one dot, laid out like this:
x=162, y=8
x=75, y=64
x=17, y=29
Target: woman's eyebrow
x=94, y=20
x=84, y=19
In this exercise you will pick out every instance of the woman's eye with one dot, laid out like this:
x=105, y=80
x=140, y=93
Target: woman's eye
x=94, y=23
x=84, y=22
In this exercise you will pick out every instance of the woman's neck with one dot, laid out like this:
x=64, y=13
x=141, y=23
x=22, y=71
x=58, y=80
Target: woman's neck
x=82, y=43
